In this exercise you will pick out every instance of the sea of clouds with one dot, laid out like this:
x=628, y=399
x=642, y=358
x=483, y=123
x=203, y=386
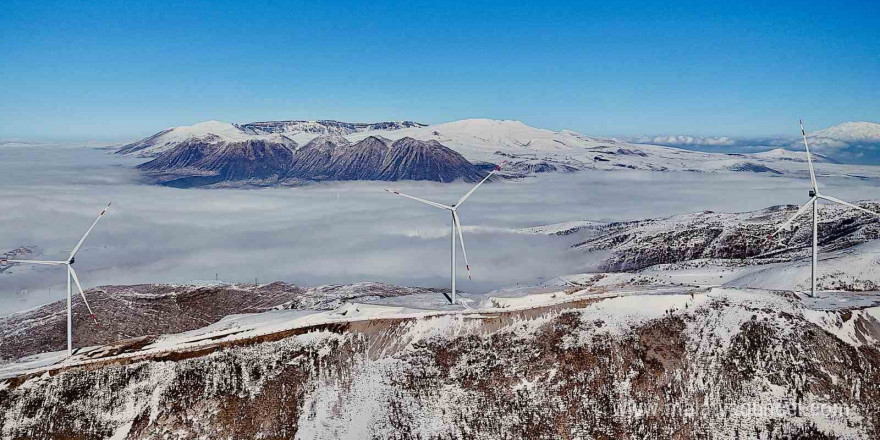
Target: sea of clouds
x=330, y=232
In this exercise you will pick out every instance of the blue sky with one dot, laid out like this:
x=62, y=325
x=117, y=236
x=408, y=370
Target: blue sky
x=120, y=70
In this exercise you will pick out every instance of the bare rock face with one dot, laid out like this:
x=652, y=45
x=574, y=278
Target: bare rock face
x=359, y=161
x=330, y=157
x=196, y=163
x=314, y=160
x=411, y=159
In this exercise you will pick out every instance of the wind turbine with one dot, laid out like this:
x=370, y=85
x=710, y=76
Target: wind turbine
x=456, y=224
x=815, y=196
x=71, y=274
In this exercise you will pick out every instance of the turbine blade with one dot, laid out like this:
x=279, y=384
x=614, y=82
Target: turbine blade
x=832, y=199
x=427, y=202
x=809, y=157
x=796, y=215
x=48, y=263
x=468, y=194
x=461, y=240
x=83, y=294
x=81, y=240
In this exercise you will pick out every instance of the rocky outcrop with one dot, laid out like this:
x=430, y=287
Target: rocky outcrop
x=332, y=157
x=411, y=159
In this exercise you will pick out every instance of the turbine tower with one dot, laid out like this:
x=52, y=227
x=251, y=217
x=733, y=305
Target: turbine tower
x=456, y=224
x=71, y=274
x=813, y=203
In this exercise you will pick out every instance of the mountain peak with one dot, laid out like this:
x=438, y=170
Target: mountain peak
x=851, y=131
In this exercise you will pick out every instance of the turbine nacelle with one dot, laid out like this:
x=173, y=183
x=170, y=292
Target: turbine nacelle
x=71, y=275
x=815, y=196
x=456, y=223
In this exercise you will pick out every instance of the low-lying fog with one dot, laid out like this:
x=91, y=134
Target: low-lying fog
x=328, y=233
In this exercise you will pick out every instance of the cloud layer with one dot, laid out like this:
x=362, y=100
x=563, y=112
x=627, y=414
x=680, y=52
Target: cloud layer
x=327, y=233
x=866, y=151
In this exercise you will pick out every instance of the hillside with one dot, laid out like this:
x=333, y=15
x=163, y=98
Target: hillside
x=635, y=245
x=584, y=362
x=528, y=150
x=261, y=162
x=126, y=312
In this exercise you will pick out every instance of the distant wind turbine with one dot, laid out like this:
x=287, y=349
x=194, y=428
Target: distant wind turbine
x=456, y=224
x=815, y=196
x=71, y=274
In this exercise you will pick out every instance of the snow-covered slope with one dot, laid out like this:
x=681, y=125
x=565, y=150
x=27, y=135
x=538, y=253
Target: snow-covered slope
x=214, y=132
x=528, y=149
x=210, y=132
x=150, y=309
x=868, y=132
x=574, y=363
x=635, y=245
x=304, y=131
x=794, y=156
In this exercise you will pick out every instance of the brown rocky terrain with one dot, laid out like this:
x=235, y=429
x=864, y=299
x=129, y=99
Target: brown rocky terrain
x=722, y=364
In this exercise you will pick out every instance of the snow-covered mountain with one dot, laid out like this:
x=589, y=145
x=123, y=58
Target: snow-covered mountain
x=304, y=131
x=528, y=150
x=215, y=132
x=332, y=157
x=867, y=132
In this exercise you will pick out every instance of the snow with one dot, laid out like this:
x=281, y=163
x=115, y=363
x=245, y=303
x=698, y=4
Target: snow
x=791, y=155
x=560, y=228
x=487, y=140
x=851, y=132
x=855, y=265
x=211, y=132
x=354, y=404
x=619, y=305
x=847, y=329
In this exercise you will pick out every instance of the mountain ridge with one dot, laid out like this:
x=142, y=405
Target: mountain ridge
x=528, y=150
x=328, y=157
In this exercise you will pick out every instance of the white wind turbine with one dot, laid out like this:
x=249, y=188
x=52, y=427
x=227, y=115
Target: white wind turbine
x=71, y=274
x=456, y=224
x=815, y=196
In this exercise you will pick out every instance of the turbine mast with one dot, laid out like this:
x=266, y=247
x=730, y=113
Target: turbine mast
x=815, y=261
x=69, y=317
x=452, y=254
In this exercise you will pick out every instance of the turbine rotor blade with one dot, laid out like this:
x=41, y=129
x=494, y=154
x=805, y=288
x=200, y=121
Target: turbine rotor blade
x=835, y=200
x=427, y=202
x=81, y=240
x=461, y=240
x=796, y=215
x=83, y=294
x=468, y=194
x=809, y=157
